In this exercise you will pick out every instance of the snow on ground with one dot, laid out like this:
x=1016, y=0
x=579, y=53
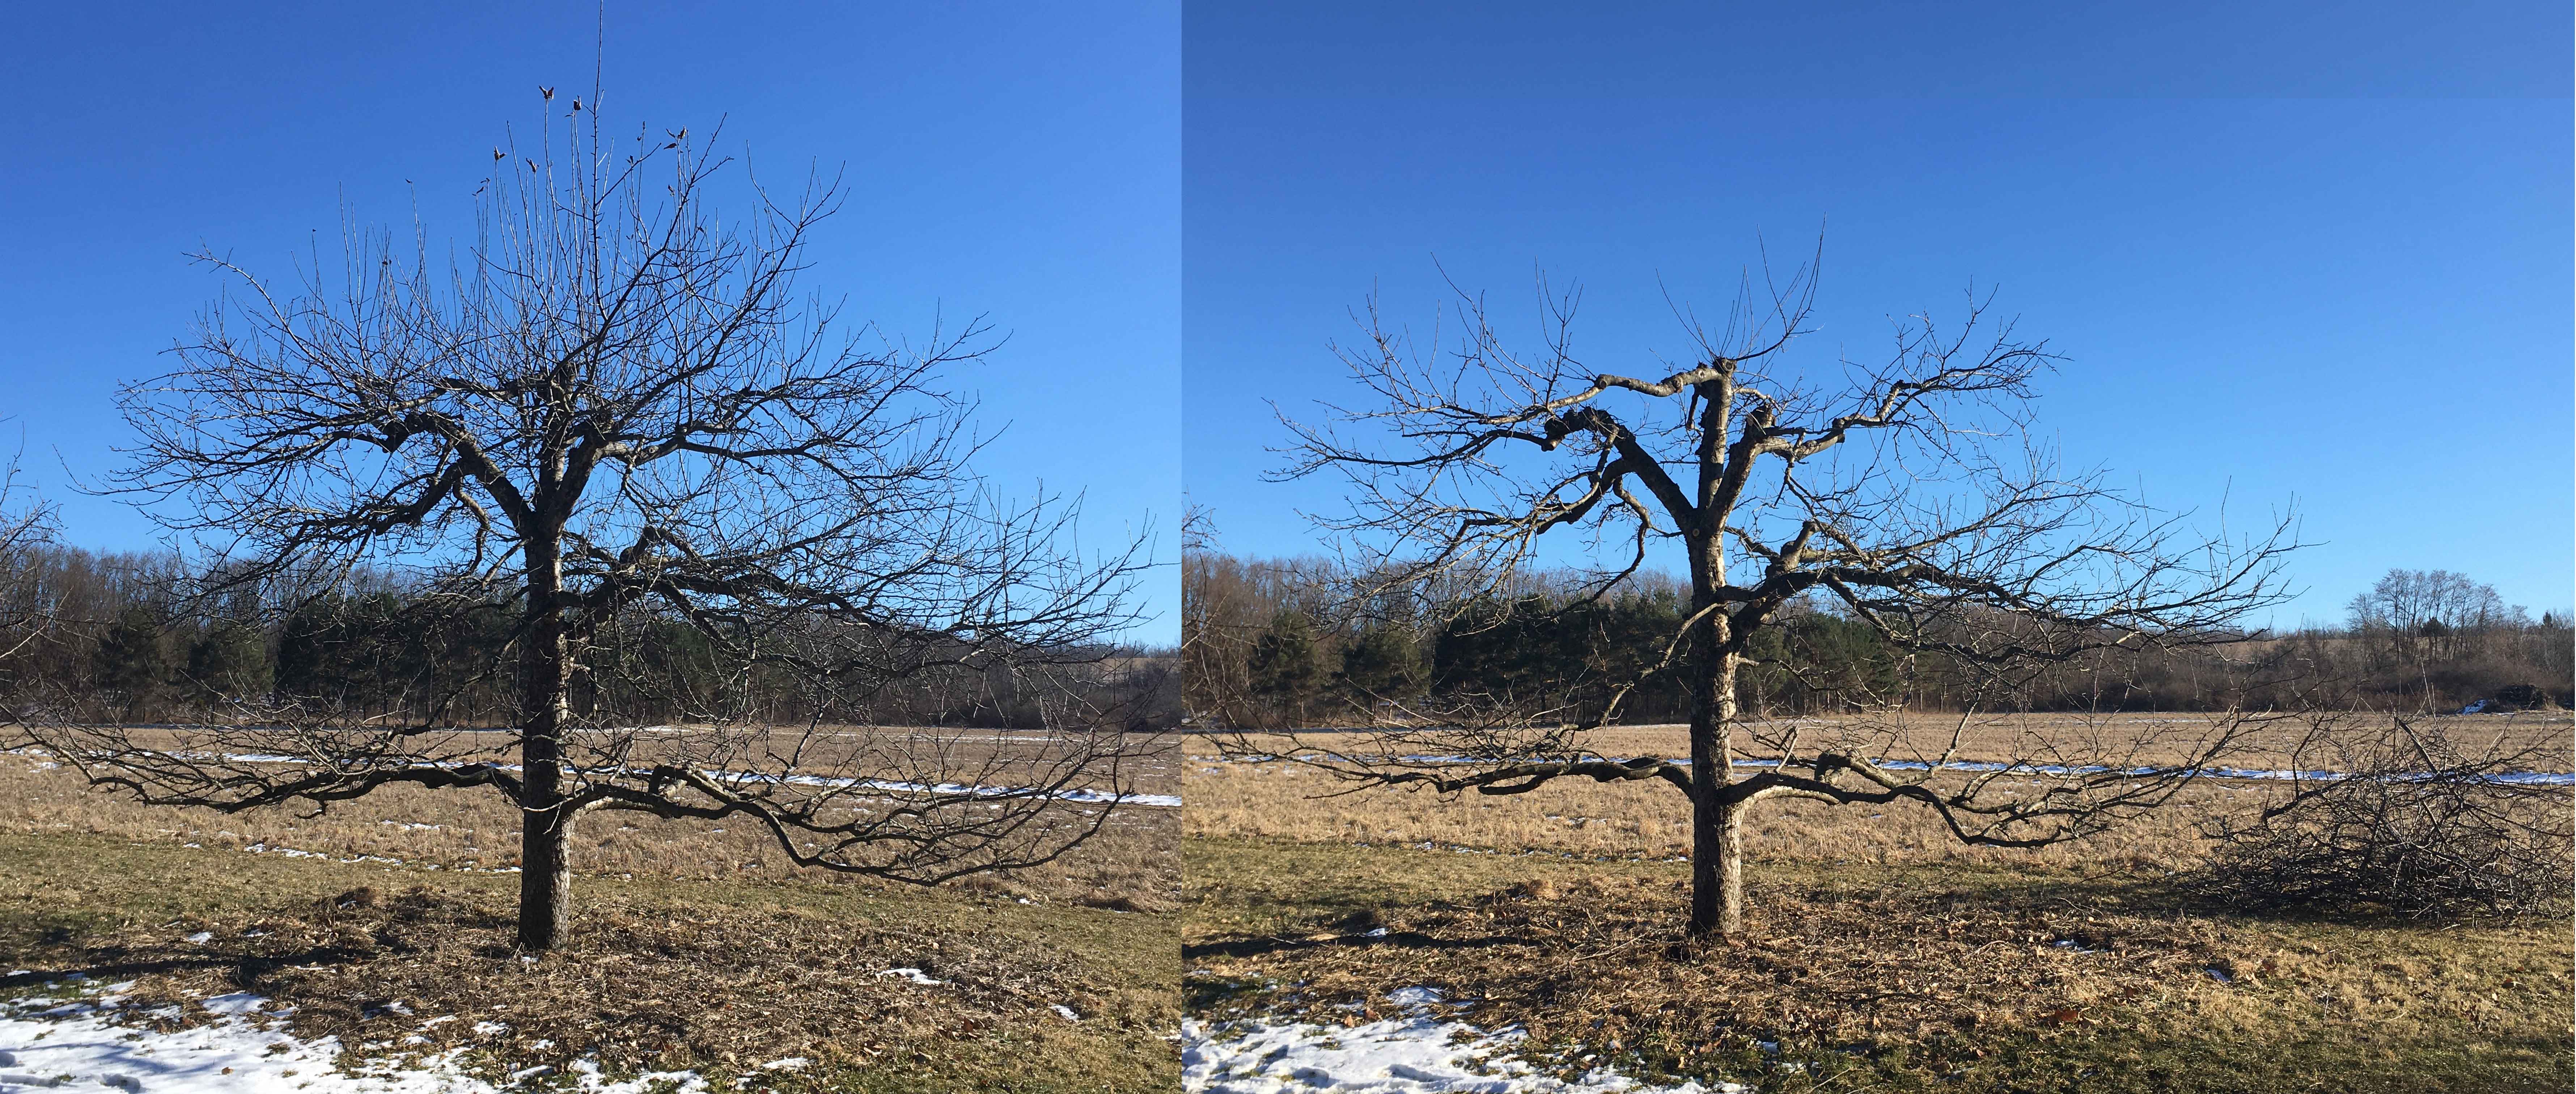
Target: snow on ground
x=2522, y=778
x=75, y=1038
x=1418, y=1053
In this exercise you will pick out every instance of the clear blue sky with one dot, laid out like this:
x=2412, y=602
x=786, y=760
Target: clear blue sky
x=2296, y=252
x=1017, y=160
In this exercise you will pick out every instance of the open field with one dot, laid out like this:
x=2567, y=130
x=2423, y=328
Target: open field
x=2260, y=741
x=693, y=948
x=1131, y=864
x=1883, y=955
x=1582, y=818
x=2266, y=741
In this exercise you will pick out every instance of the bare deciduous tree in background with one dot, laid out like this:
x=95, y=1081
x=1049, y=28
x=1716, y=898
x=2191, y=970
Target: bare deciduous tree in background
x=617, y=412
x=1210, y=649
x=1910, y=496
x=26, y=523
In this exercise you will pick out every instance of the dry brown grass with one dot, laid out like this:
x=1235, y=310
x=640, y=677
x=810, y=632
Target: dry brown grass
x=654, y=974
x=1888, y=954
x=1584, y=819
x=1906, y=977
x=2266, y=743
x=1650, y=820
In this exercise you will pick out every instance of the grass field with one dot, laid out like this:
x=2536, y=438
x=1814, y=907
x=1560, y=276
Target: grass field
x=692, y=949
x=1881, y=955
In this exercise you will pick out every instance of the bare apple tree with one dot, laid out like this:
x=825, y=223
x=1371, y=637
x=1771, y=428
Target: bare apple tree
x=617, y=413
x=1910, y=495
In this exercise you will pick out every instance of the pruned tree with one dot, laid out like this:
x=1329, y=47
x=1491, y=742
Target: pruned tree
x=1911, y=495
x=616, y=413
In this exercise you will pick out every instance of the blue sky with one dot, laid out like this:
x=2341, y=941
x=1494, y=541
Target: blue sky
x=2293, y=257
x=2294, y=254
x=1019, y=161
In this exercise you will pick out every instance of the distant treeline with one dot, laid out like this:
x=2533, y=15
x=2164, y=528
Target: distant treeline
x=130, y=637
x=1268, y=642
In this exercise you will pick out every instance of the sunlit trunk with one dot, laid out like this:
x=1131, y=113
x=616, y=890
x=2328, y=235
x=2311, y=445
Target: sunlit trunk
x=1717, y=829
x=545, y=868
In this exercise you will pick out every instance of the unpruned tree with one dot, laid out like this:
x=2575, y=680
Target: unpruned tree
x=614, y=416
x=1910, y=494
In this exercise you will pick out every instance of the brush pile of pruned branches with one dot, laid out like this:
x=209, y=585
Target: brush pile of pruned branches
x=2407, y=817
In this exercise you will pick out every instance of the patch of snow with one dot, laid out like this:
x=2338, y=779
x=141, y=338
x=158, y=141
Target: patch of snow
x=1064, y=1012
x=235, y=1004
x=586, y=1073
x=87, y=1046
x=202, y=937
x=790, y=1063
x=1415, y=1054
x=915, y=975
x=2523, y=778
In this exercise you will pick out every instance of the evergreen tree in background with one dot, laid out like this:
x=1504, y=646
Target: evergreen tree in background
x=1383, y=663
x=1286, y=667
x=229, y=663
x=129, y=664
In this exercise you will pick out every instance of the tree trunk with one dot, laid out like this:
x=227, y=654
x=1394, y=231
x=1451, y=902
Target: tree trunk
x=545, y=877
x=1717, y=828
x=545, y=823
